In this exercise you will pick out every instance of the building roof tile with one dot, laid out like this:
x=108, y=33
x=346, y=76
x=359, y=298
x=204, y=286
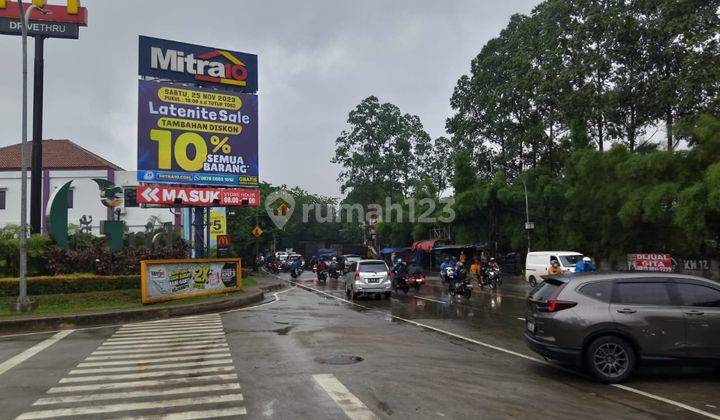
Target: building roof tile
x=57, y=154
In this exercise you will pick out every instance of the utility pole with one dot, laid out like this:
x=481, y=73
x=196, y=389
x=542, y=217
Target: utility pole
x=23, y=304
x=36, y=174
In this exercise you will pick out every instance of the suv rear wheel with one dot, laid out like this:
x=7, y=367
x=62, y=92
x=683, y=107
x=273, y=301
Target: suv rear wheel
x=532, y=281
x=610, y=359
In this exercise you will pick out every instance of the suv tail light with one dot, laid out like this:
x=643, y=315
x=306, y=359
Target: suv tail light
x=389, y=274
x=554, y=305
x=357, y=275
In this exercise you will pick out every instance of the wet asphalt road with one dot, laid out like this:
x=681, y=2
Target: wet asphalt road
x=462, y=359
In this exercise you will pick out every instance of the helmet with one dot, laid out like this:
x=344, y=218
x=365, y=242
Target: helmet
x=587, y=259
x=399, y=260
x=492, y=259
x=334, y=258
x=555, y=263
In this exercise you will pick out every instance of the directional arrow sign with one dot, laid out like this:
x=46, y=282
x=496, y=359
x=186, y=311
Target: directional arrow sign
x=150, y=195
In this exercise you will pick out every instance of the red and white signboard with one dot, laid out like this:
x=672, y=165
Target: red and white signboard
x=191, y=196
x=650, y=262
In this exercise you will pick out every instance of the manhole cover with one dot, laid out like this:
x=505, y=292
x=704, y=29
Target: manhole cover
x=338, y=359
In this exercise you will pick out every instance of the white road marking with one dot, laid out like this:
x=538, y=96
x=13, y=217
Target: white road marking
x=349, y=403
x=128, y=406
x=180, y=319
x=431, y=300
x=165, y=350
x=166, y=337
x=151, y=367
x=666, y=401
x=118, y=354
x=178, y=338
x=137, y=394
x=175, y=345
x=520, y=355
x=134, y=384
x=32, y=351
x=171, y=324
x=204, y=344
x=164, y=329
x=195, y=415
x=202, y=356
x=180, y=334
x=521, y=319
x=142, y=375
x=151, y=328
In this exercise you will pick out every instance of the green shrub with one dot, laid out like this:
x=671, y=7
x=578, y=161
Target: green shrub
x=77, y=283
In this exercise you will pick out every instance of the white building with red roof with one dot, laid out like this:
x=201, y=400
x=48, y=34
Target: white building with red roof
x=65, y=161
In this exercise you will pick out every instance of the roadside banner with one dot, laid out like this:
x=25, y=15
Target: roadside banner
x=650, y=262
x=177, y=279
x=197, y=196
x=196, y=136
x=218, y=223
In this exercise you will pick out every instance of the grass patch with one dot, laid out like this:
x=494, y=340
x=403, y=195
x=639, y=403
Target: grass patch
x=64, y=303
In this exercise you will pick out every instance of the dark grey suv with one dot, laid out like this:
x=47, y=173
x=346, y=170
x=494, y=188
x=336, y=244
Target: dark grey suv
x=609, y=322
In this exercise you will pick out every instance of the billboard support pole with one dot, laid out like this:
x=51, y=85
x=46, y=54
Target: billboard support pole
x=207, y=232
x=36, y=169
x=198, y=224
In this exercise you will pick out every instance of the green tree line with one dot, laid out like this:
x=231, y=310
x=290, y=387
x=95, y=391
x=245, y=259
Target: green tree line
x=605, y=110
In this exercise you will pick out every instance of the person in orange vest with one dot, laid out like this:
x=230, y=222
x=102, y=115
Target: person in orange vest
x=555, y=269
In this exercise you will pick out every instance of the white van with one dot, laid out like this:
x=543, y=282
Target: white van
x=537, y=263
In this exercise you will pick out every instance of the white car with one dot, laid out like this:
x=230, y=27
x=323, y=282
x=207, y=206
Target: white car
x=368, y=277
x=350, y=259
x=537, y=263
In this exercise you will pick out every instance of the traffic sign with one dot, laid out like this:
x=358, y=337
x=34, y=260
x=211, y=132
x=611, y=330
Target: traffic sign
x=257, y=231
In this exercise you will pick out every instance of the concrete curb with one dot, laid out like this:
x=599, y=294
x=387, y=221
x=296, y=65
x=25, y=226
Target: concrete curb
x=121, y=316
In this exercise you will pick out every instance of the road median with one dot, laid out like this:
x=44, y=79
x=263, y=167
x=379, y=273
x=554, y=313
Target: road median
x=52, y=322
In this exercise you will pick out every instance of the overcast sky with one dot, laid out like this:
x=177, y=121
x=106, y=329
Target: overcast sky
x=317, y=60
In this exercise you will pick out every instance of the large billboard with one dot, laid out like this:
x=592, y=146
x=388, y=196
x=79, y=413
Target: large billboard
x=196, y=136
x=176, y=279
x=178, y=61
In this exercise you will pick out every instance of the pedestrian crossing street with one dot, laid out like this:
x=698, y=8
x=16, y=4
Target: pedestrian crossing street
x=170, y=369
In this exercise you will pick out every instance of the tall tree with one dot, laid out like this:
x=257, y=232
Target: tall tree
x=379, y=152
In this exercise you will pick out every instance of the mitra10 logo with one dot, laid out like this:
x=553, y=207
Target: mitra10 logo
x=206, y=67
x=182, y=62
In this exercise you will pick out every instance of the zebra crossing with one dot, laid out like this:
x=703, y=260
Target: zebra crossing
x=178, y=369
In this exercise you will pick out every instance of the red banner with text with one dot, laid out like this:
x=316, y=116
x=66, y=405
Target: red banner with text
x=191, y=196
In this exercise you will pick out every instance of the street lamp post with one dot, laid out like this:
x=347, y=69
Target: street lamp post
x=23, y=303
x=528, y=225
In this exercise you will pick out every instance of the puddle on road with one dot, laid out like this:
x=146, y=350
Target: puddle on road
x=283, y=331
x=338, y=359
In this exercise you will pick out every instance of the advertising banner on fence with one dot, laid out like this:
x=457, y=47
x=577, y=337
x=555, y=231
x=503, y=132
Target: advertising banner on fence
x=196, y=136
x=190, y=63
x=176, y=279
x=650, y=262
x=167, y=195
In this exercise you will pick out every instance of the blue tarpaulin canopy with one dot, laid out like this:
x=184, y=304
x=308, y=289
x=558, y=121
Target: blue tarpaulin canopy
x=391, y=250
